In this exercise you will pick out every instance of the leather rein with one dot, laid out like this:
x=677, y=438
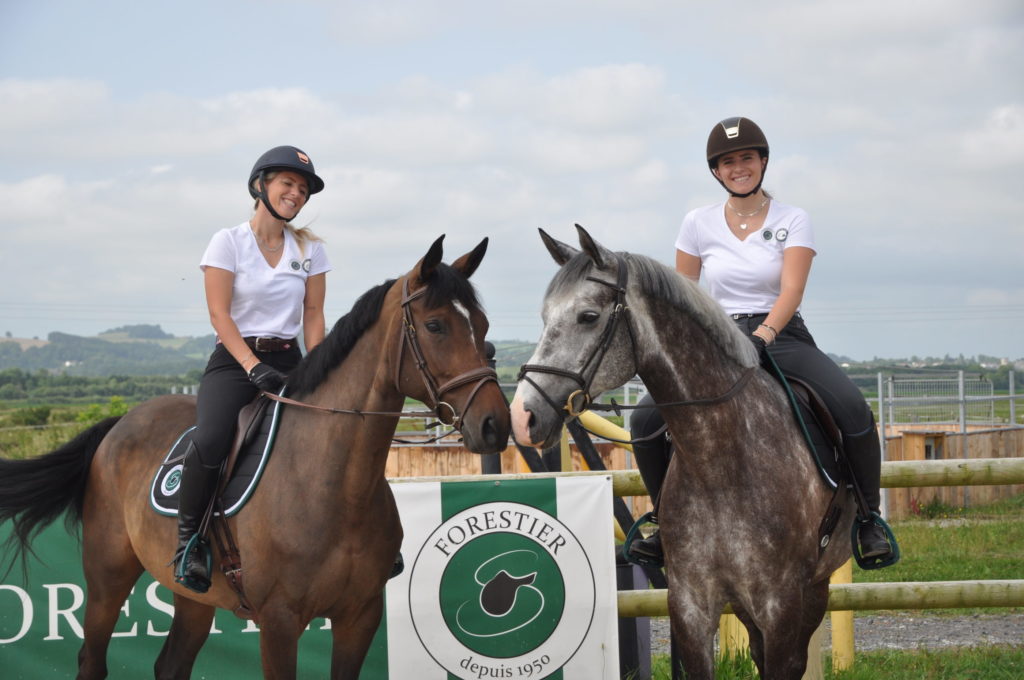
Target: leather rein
x=445, y=413
x=580, y=400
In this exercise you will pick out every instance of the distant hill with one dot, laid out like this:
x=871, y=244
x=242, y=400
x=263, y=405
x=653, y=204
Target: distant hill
x=128, y=351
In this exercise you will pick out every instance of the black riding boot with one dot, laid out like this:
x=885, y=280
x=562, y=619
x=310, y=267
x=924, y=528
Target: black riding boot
x=192, y=558
x=652, y=459
x=865, y=456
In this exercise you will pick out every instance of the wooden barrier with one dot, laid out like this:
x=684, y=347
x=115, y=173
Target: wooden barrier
x=870, y=596
x=957, y=472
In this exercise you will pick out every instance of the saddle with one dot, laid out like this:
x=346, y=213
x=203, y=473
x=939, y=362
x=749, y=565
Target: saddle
x=243, y=468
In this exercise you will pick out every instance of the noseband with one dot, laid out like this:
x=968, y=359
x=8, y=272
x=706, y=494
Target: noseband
x=444, y=411
x=580, y=400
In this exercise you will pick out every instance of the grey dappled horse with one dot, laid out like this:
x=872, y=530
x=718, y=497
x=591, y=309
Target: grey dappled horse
x=743, y=499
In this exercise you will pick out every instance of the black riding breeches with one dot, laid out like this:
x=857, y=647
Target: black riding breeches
x=223, y=390
x=797, y=355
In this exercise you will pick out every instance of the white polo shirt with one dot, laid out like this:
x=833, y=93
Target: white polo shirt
x=265, y=301
x=744, y=276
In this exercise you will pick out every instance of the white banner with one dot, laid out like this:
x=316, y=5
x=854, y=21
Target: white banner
x=512, y=579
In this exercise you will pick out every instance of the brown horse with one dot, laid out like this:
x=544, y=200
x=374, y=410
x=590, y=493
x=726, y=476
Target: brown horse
x=321, y=533
x=742, y=501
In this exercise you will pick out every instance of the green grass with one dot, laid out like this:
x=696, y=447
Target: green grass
x=957, y=544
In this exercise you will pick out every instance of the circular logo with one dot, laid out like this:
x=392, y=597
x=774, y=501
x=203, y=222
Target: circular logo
x=782, y=234
x=171, y=482
x=295, y=265
x=766, y=234
x=306, y=264
x=504, y=590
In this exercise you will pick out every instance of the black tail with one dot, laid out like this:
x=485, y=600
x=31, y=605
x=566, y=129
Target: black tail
x=35, y=491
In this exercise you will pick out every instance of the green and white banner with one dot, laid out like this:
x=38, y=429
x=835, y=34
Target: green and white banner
x=510, y=579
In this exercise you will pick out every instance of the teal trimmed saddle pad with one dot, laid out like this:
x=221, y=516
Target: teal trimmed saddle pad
x=252, y=460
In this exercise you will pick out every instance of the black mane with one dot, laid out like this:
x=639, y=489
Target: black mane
x=315, y=366
x=446, y=284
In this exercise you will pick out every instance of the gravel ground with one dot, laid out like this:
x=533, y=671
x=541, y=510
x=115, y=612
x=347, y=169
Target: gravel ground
x=905, y=631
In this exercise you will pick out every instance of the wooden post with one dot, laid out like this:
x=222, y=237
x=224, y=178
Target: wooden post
x=732, y=637
x=842, y=625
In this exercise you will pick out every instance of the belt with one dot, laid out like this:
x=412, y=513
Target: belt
x=269, y=344
x=737, y=317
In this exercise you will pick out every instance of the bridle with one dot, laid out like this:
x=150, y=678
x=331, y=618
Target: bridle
x=581, y=400
x=445, y=413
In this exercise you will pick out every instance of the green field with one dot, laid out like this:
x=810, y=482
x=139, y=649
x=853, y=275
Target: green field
x=947, y=544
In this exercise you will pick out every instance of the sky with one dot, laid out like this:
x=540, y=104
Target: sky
x=128, y=129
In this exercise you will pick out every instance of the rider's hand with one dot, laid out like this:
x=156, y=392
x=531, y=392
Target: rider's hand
x=267, y=378
x=760, y=345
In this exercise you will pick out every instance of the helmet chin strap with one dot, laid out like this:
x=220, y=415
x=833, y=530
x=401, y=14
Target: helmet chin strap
x=262, y=193
x=749, y=193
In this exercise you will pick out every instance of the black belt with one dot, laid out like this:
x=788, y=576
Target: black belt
x=737, y=317
x=270, y=344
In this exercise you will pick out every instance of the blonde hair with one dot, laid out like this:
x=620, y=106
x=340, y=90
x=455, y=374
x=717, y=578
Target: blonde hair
x=302, y=235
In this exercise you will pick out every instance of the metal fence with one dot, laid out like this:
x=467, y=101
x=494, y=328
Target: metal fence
x=952, y=402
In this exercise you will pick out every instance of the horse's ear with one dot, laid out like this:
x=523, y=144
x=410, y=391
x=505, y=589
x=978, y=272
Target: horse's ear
x=561, y=252
x=428, y=265
x=468, y=263
x=598, y=253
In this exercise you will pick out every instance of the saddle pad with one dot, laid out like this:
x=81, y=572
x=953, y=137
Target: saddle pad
x=252, y=460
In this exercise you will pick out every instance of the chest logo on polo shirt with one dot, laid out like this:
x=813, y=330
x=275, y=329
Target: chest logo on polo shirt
x=306, y=264
x=295, y=265
x=766, y=234
x=782, y=234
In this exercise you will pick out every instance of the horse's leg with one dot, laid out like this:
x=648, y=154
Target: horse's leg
x=111, y=570
x=787, y=635
x=693, y=631
x=352, y=638
x=280, y=629
x=189, y=630
x=755, y=636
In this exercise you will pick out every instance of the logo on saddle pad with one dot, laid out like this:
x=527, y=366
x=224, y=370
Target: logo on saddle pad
x=516, y=592
x=171, y=481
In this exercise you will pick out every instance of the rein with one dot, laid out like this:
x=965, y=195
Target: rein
x=580, y=400
x=443, y=411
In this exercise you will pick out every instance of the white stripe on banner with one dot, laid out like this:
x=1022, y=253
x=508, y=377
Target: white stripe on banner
x=518, y=582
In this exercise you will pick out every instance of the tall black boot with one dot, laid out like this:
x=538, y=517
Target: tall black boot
x=192, y=558
x=865, y=456
x=652, y=459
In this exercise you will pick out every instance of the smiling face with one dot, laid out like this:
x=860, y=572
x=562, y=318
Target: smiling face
x=287, y=192
x=741, y=171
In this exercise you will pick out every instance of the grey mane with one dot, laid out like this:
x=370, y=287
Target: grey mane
x=663, y=283
x=658, y=281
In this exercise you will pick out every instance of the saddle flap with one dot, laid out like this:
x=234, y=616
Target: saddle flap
x=809, y=398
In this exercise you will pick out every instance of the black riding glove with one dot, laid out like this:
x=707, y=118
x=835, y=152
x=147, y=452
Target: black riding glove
x=761, y=346
x=267, y=378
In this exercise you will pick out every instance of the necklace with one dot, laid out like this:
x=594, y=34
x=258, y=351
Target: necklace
x=743, y=226
x=263, y=244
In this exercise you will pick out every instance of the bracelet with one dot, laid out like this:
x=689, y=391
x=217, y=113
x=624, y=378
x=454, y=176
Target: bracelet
x=775, y=333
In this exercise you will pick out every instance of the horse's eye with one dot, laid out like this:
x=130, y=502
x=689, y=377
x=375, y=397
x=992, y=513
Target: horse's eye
x=434, y=326
x=588, y=317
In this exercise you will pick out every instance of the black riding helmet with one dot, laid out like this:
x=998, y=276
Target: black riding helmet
x=282, y=158
x=736, y=134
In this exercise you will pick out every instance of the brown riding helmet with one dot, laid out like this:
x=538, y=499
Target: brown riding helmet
x=734, y=134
